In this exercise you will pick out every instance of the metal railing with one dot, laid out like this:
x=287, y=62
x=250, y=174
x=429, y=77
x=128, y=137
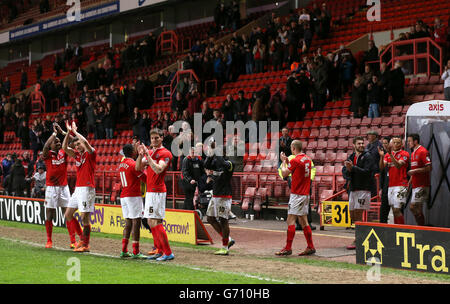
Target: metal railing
x=419, y=56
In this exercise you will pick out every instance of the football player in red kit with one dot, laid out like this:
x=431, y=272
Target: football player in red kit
x=396, y=160
x=57, y=192
x=131, y=201
x=420, y=177
x=83, y=198
x=300, y=168
x=157, y=161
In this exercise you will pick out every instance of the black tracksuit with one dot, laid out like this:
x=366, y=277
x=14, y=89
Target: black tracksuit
x=191, y=169
x=223, y=172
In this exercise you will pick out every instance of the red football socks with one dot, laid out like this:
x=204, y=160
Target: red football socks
x=135, y=248
x=308, y=236
x=290, y=236
x=164, y=241
x=86, y=234
x=49, y=229
x=69, y=225
x=77, y=227
x=124, y=245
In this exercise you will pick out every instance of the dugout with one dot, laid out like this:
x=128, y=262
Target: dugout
x=431, y=120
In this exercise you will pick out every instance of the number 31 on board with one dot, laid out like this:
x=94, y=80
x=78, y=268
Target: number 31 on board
x=340, y=214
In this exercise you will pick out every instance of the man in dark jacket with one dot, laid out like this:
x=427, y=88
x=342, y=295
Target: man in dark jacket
x=192, y=171
x=357, y=170
x=220, y=204
x=320, y=76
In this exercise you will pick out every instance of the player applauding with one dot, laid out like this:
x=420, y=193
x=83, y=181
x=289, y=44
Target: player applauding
x=83, y=198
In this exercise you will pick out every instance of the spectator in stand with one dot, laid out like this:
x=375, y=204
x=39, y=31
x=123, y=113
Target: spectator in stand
x=374, y=98
x=242, y=107
x=7, y=86
x=346, y=74
x=7, y=162
x=304, y=18
x=228, y=108
x=179, y=103
x=358, y=99
x=90, y=118
x=57, y=64
x=100, y=128
x=371, y=55
x=207, y=112
x=320, y=76
x=39, y=179
x=235, y=16
x=38, y=71
x=63, y=93
x=17, y=179
x=24, y=135
x=145, y=124
x=249, y=60
x=81, y=78
x=446, y=77
x=366, y=77
x=23, y=80
x=285, y=142
x=397, y=84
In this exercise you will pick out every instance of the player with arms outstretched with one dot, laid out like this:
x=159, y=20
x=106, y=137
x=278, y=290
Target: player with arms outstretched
x=131, y=201
x=157, y=162
x=300, y=169
x=57, y=192
x=83, y=198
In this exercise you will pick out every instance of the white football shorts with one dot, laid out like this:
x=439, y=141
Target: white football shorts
x=132, y=207
x=83, y=198
x=298, y=204
x=57, y=196
x=155, y=205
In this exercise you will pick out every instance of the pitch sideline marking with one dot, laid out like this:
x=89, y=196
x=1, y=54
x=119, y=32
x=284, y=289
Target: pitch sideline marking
x=195, y=268
x=280, y=231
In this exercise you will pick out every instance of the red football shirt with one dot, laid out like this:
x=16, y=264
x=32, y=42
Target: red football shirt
x=300, y=167
x=419, y=159
x=130, y=178
x=56, y=164
x=85, y=164
x=155, y=182
x=397, y=177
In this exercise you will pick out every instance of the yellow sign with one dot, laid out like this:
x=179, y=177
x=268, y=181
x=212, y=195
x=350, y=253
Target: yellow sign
x=180, y=225
x=373, y=249
x=340, y=214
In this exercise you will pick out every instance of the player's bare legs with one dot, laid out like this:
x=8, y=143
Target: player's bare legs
x=86, y=227
x=416, y=210
x=356, y=215
x=398, y=216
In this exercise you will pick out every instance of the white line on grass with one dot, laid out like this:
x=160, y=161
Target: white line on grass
x=172, y=264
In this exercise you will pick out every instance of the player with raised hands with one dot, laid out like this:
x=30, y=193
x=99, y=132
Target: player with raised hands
x=83, y=198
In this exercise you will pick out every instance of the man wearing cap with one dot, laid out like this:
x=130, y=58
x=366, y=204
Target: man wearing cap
x=372, y=148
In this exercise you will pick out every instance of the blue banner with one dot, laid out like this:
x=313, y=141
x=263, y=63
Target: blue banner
x=62, y=21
